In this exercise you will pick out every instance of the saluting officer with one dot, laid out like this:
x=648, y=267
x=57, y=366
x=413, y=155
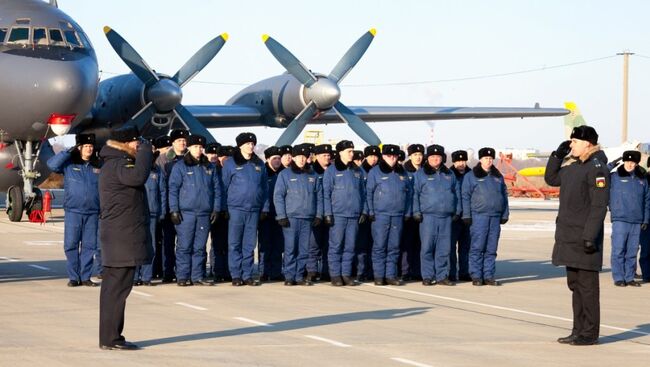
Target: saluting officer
x=485, y=208
x=410, y=244
x=435, y=205
x=194, y=204
x=630, y=212
x=579, y=229
x=372, y=154
x=460, y=239
x=285, y=155
x=344, y=198
x=389, y=204
x=245, y=186
x=317, y=265
x=80, y=169
x=271, y=239
x=298, y=199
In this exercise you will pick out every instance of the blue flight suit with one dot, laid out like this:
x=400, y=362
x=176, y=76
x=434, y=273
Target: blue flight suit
x=156, y=187
x=81, y=206
x=485, y=201
x=364, y=240
x=629, y=205
x=298, y=196
x=195, y=192
x=219, y=240
x=245, y=187
x=460, y=240
x=344, y=200
x=411, y=243
x=436, y=197
x=166, y=163
x=319, y=242
x=388, y=196
x=271, y=239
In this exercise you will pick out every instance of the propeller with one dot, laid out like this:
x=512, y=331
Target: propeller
x=323, y=92
x=163, y=95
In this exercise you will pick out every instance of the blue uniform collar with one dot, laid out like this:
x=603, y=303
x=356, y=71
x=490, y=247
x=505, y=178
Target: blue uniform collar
x=480, y=173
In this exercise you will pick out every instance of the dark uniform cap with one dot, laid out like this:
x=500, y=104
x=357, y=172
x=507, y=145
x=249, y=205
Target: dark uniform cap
x=81, y=139
x=343, y=145
x=225, y=151
x=323, y=148
x=357, y=156
x=335, y=155
x=301, y=149
x=244, y=138
x=585, y=132
x=436, y=149
x=632, y=155
x=212, y=148
x=390, y=149
x=486, y=152
x=196, y=139
x=311, y=147
x=162, y=142
x=401, y=156
x=271, y=151
x=126, y=134
x=178, y=134
x=285, y=149
x=372, y=150
x=415, y=148
x=459, y=155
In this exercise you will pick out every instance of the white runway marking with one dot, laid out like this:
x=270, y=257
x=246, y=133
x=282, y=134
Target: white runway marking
x=517, y=278
x=258, y=323
x=329, y=341
x=39, y=267
x=10, y=259
x=503, y=308
x=43, y=243
x=408, y=361
x=191, y=306
x=142, y=294
x=406, y=313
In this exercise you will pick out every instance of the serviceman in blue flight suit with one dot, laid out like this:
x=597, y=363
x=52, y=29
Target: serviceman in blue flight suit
x=389, y=203
x=344, y=198
x=219, y=230
x=485, y=208
x=357, y=157
x=166, y=162
x=211, y=152
x=162, y=145
x=436, y=203
x=194, y=204
x=317, y=266
x=629, y=205
x=298, y=199
x=156, y=187
x=372, y=154
x=80, y=169
x=460, y=240
x=271, y=239
x=410, y=244
x=245, y=187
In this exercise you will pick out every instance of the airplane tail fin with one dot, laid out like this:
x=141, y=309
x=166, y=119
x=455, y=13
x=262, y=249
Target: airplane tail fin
x=573, y=119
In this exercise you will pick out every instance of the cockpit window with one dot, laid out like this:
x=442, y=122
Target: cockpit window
x=19, y=36
x=56, y=38
x=40, y=37
x=72, y=39
x=84, y=40
x=3, y=33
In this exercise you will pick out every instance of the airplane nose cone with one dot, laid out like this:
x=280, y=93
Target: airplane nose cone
x=165, y=95
x=325, y=93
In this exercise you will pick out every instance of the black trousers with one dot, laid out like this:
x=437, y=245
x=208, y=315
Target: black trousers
x=586, y=301
x=116, y=286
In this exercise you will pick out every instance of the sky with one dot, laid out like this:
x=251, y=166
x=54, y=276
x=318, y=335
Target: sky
x=417, y=41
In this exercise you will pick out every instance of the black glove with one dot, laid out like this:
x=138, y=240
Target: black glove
x=504, y=220
x=455, y=218
x=264, y=215
x=74, y=147
x=161, y=218
x=407, y=218
x=563, y=150
x=644, y=226
x=316, y=222
x=176, y=218
x=417, y=218
x=371, y=218
x=590, y=247
x=467, y=221
x=363, y=218
x=284, y=222
x=224, y=215
x=329, y=220
x=213, y=217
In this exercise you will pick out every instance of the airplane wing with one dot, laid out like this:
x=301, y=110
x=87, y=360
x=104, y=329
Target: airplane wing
x=226, y=115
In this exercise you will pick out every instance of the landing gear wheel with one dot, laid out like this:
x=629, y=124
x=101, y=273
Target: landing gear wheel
x=15, y=203
x=35, y=203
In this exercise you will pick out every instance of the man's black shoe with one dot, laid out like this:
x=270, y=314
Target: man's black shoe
x=337, y=281
x=264, y=278
x=394, y=281
x=184, y=283
x=633, y=283
x=203, y=283
x=349, y=281
x=581, y=340
x=620, y=283
x=148, y=283
x=567, y=339
x=137, y=283
x=446, y=282
x=380, y=281
x=237, y=282
x=407, y=278
x=492, y=282
x=465, y=278
x=305, y=282
x=361, y=278
x=89, y=283
x=289, y=283
x=312, y=276
x=477, y=282
x=168, y=280
x=252, y=282
x=428, y=282
x=124, y=346
x=453, y=279
x=74, y=283
x=277, y=278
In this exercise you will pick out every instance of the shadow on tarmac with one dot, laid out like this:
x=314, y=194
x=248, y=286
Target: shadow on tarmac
x=292, y=325
x=518, y=270
x=24, y=271
x=639, y=331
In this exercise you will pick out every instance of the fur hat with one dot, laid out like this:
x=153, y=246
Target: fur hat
x=126, y=134
x=196, y=139
x=632, y=155
x=301, y=149
x=178, y=134
x=486, y=152
x=459, y=155
x=82, y=139
x=357, y=156
x=285, y=149
x=225, y=151
x=244, y=138
x=162, y=141
x=390, y=149
x=323, y=148
x=271, y=151
x=401, y=156
x=436, y=149
x=343, y=145
x=585, y=132
x=372, y=150
x=415, y=148
x=212, y=148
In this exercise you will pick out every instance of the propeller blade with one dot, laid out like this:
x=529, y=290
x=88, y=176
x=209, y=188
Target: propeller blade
x=290, y=62
x=192, y=124
x=356, y=124
x=199, y=60
x=352, y=57
x=130, y=56
x=297, y=125
x=142, y=117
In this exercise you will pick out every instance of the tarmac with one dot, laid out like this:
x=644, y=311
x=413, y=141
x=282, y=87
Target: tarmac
x=43, y=322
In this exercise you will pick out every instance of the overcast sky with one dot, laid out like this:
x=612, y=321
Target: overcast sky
x=416, y=41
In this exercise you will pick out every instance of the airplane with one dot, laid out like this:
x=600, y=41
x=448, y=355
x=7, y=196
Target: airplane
x=63, y=95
